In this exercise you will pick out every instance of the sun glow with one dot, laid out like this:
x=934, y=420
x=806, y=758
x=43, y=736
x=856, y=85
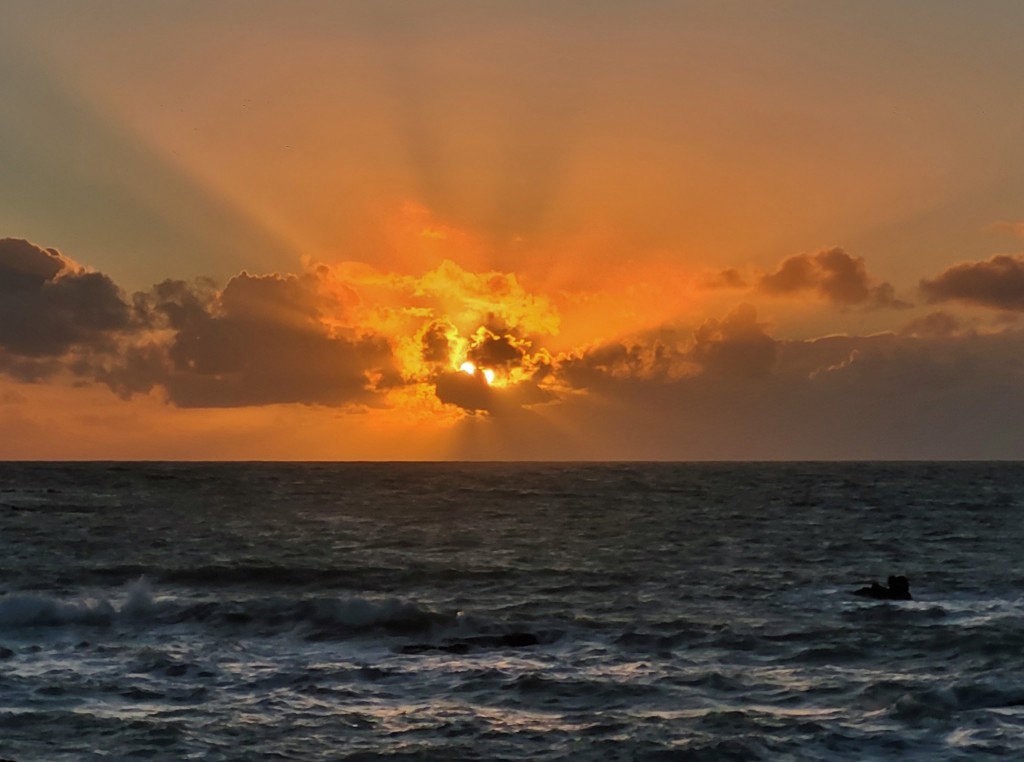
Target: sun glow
x=469, y=368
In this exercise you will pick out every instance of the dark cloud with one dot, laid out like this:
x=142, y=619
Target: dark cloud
x=273, y=300
x=883, y=296
x=933, y=325
x=502, y=353
x=648, y=358
x=997, y=283
x=137, y=369
x=49, y=305
x=435, y=345
x=27, y=266
x=491, y=350
x=794, y=275
x=853, y=397
x=28, y=370
x=834, y=275
x=736, y=346
x=261, y=341
x=727, y=389
x=608, y=360
x=469, y=391
x=175, y=303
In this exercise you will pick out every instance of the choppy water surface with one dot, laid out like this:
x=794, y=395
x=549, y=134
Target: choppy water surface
x=510, y=612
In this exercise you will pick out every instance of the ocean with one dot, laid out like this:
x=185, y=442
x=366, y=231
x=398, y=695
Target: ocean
x=256, y=611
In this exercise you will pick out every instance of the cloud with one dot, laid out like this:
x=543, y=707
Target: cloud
x=997, y=282
x=507, y=372
x=736, y=346
x=449, y=316
x=329, y=335
x=435, y=342
x=468, y=391
x=730, y=278
x=49, y=304
x=262, y=340
x=29, y=370
x=724, y=388
x=500, y=348
x=473, y=393
x=855, y=397
x=471, y=299
x=834, y=275
x=614, y=360
x=883, y=296
x=373, y=339
x=933, y=325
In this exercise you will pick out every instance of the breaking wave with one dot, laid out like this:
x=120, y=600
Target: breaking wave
x=316, y=618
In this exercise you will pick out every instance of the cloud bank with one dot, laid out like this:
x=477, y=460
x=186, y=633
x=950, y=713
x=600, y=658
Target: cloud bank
x=475, y=345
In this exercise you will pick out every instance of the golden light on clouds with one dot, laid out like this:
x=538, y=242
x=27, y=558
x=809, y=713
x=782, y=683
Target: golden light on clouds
x=435, y=227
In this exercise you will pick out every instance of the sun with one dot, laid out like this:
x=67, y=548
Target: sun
x=470, y=368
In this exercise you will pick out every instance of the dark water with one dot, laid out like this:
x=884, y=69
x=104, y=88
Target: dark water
x=510, y=612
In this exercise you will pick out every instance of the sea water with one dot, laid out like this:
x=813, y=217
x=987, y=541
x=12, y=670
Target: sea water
x=510, y=612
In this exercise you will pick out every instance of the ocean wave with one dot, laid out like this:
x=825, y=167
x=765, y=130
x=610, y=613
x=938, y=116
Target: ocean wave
x=391, y=613
x=318, y=618
x=248, y=574
x=29, y=610
x=24, y=610
x=313, y=618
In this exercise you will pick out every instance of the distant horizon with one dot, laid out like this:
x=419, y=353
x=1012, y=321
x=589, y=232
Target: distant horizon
x=12, y=461
x=645, y=231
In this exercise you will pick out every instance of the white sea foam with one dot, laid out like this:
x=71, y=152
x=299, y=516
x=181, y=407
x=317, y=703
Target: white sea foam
x=27, y=610
x=40, y=610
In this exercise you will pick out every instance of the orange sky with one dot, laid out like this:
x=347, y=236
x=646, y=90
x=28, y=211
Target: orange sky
x=511, y=230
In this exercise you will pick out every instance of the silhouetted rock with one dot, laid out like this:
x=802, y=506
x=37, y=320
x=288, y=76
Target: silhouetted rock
x=898, y=590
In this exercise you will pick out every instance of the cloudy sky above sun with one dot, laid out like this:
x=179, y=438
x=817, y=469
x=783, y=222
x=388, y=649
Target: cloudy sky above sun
x=508, y=230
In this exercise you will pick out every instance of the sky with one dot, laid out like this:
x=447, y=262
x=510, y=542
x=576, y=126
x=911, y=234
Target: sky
x=602, y=230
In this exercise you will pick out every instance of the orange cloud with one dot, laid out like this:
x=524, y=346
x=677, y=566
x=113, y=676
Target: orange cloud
x=384, y=356
x=344, y=335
